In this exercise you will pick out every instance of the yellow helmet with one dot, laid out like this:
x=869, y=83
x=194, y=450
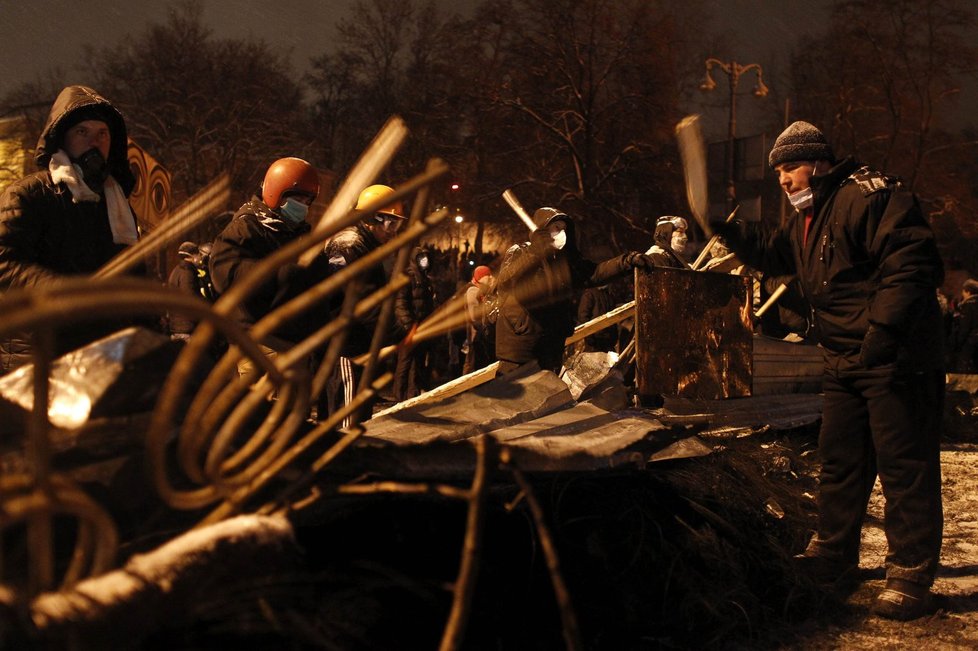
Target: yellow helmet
x=372, y=193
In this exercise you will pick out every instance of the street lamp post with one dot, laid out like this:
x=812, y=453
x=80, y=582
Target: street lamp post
x=733, y=70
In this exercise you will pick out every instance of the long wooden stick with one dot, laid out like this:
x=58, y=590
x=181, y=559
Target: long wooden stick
x=471, y=547
x=211, y=198
x=373, y=160
x=782, y=288
x=517, y=207
x=601, y=322
x=568, y=618
x=692, y=151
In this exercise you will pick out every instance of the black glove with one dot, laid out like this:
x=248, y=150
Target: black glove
x=541, y=242
x=727, y=230
x=879, y=347
x=637, y=260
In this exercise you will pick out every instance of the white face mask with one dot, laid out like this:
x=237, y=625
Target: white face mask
x=423, y=262
x=802, y=199
x=560, y=239
x=678, y=242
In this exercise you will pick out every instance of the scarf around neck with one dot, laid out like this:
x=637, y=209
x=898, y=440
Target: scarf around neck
x=121, y=220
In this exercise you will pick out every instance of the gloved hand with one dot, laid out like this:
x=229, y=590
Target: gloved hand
x=879, y=347
x=637, y=260
x=727, y=230
x=541, y=242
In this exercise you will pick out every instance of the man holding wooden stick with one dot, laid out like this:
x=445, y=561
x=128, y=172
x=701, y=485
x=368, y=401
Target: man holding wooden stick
x=869, y=267
x=538, y=284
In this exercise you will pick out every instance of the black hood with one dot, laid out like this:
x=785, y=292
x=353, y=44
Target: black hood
x=544, y=217
x=75, y=99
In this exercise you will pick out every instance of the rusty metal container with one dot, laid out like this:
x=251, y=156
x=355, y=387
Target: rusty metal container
x=693, y=334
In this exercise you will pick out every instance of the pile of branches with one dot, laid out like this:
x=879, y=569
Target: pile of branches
x=687, y=554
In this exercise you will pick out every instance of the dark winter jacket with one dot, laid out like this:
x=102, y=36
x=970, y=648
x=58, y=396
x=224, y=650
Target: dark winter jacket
x=870, y=260
x=666, y=257
x=184, y=278
x=595, y=302
x=254, y=233
x=416, y=300
x=44, y=235
x=345, y=248
x=538, y=289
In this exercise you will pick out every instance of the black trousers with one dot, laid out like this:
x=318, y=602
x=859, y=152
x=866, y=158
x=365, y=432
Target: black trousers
x=887, y=422
x=411, y=376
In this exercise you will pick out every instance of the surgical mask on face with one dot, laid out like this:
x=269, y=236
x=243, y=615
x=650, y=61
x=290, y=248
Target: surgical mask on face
x=560, y=239
x=678, y=242
x=293, y=211
x=802, y=199
x=423, y=262
x=94, y=169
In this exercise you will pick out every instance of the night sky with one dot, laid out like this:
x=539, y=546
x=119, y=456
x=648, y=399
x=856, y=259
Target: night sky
x=38, y=35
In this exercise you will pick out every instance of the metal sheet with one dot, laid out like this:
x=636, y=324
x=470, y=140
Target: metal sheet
x=118, y=375
x=693, y=334
x=523, y=395
x=581, y=439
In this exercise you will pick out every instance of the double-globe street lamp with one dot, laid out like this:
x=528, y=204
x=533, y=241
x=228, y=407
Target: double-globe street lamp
x=734, y=70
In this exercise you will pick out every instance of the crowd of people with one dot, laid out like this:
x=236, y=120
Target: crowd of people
x=857, y=257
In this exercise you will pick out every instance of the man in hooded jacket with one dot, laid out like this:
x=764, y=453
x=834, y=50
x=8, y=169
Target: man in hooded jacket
x=539, y=284
x=670, y=242
x=413, y=304
x=71, y=216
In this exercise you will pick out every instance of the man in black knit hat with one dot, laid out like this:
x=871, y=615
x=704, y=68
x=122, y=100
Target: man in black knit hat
x=869, y=267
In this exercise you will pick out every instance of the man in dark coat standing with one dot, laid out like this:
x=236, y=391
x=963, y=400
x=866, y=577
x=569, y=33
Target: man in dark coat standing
x=539, y=286
x=964, y=330
x=869, y=267
x=70, y=217
x=413, y=304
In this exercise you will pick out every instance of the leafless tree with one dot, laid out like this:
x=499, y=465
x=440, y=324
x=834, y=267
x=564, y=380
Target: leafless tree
x=204, y=105
x=883, y=75
x=585, y=93
x=880, y=82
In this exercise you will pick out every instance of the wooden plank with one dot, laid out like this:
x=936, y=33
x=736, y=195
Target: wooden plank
x=599, y=323
x=447, y=390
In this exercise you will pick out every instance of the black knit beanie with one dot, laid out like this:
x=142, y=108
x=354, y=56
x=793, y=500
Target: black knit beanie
x=800, y=141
